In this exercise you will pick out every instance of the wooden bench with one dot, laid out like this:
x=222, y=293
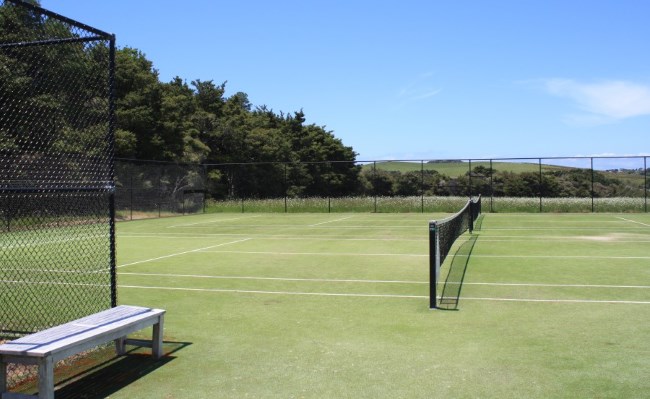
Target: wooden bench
x=47, y=347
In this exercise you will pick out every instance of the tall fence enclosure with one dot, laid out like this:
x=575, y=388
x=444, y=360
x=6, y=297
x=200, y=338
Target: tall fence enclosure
x=57, y=244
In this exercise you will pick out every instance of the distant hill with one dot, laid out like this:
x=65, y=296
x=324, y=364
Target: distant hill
x=459, y=168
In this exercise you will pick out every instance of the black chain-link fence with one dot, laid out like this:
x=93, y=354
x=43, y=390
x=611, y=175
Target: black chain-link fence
x=57, y=258
x=155, y=189
x=572, y=184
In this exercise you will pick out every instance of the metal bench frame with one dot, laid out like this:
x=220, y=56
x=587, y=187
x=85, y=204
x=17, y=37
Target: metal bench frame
x=47, y=347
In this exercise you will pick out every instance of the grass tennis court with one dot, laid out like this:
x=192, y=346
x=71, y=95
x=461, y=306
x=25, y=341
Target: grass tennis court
x=335, y=305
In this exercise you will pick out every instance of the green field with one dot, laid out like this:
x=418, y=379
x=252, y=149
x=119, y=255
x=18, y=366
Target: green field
x=336, y=306
x=455, y=169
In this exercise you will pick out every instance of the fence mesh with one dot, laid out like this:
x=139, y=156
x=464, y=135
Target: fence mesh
x=57, y=258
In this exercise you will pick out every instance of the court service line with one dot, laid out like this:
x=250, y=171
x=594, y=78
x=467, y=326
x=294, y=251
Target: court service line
x=272, y=292
x=213, y=221
x=319, y=280
x=264, y=237
x=552, y=256
x=558, y=300
x=351, y=295
x=633, y=221
x=325, y=280
x=313, y=253
x=183, y=253
x=330, y=221
x=426, y=255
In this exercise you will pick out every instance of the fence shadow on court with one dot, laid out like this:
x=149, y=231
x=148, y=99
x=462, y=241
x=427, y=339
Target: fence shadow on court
x=454, y=282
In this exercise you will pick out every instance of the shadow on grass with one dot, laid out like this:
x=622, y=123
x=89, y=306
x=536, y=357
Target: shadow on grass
x=102, y=373
x=454, y=282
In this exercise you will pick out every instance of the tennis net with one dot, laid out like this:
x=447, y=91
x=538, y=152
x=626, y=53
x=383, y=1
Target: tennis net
x=442, y=235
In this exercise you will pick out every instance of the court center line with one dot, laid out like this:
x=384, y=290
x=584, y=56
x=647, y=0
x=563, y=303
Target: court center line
x=183, y=253
x=331, y=221
x=331, y=294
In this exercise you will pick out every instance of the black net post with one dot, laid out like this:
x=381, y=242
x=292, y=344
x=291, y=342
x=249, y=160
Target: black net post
x=434, y=263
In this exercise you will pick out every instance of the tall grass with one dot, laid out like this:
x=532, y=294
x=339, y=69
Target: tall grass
x=418, y=204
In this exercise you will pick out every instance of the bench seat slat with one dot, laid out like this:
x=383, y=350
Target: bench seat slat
x=47, y=347
x=57, y=340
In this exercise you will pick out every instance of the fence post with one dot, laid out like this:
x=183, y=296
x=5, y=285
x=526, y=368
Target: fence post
x=645, y=185
x=205, y=185
x=540, y=185
x=422, y=186
x=469, y=193
x=131, y=193
x=374, y=178
x=592, y=184
x=491, y=186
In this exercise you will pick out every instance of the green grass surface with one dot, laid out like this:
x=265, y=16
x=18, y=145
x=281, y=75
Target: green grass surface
x=336, y=306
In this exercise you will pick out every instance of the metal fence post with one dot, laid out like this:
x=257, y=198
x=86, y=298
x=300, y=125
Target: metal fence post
x=422, y=186
x=470, y=180
x=374, y=178
x=592, y=184
x=491, y=187
x=540, y=185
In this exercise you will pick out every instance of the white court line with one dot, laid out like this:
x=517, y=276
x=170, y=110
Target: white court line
x=312, y=253
x=48, y=242
x=554, y=228
x=266, y=237
x=331, y=221
x=183, y=253
x=426, y=255
x=633, y=221
x=297, y=226
x=551, y=285
x=213, y=221
x=320, y=280
x=551, y=256
x=558, y=300
x=273, y=292
x=325, y=280
x=55, y=283
x=376, y=295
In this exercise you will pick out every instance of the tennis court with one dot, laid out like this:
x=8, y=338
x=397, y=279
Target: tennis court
x=336, y=305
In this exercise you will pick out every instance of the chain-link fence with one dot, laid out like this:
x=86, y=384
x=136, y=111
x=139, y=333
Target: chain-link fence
x=57, y=259
x=156, y=189
x=575, y=184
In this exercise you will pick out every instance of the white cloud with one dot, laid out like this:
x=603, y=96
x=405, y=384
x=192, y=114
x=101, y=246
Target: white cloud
x=603, y=102
x=419, y=89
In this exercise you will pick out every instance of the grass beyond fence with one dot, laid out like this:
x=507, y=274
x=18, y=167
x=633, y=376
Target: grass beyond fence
x=318, y=305
x=415, y=204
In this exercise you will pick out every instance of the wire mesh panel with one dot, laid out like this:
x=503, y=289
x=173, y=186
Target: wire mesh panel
x=57, y=258
x=155, y=189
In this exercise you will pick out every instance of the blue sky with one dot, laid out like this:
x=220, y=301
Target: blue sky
x=414, y=79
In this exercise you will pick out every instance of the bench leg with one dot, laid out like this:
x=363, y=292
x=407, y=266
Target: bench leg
x=157, y=338
x=46, y=378
x=3, y=377
x=120, y=346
